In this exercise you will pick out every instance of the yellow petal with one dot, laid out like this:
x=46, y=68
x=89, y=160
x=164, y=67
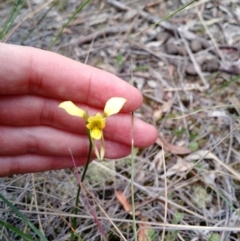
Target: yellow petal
x=114, y=105
x=72, y=109
x=96, y=133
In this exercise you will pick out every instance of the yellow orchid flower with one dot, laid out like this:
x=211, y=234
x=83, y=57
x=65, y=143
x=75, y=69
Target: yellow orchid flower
x=97, y=122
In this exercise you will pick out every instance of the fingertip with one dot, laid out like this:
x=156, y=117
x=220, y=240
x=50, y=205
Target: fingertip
x=138, y=98
x=112, y=86
x=115, y=150
x=146, y=136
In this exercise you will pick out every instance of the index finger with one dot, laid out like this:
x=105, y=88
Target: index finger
x=26, y=70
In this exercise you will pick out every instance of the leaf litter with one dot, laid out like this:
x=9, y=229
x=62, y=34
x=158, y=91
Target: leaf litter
x=185, y=64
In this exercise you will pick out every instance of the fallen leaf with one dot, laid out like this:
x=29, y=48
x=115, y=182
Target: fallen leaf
x=180, y=167
x=179, y=150
x=122, y=199
x=157, y=114
x=162, y=109
x=143, y=233
x=68, y=31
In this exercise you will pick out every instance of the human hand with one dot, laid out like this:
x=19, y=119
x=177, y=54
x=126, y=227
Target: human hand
x=35, y=134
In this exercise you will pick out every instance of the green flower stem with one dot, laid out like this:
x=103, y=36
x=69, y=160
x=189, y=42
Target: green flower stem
x=74, y=221
x=89, y=155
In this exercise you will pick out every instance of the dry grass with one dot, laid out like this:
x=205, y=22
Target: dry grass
x=185, y=69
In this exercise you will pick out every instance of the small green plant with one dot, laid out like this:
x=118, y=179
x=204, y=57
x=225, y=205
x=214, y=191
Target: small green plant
x=119, y=60
x=214, y=237
x=152, y=235
x=178, y=133
x=193, y=146
x=172, y=235
x=141, y=68
x=100, y=177
x=192, y=135
x=200, y=196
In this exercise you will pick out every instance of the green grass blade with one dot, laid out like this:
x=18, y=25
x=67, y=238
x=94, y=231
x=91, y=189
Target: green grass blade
x=167, y=17
x=38, y=22
x=24, y=218
x=69, y=20
x=17, y=231
x=175, y=12
x=12, y=16
x=226, y=84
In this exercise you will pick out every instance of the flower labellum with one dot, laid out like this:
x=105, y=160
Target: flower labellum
x=95, y=125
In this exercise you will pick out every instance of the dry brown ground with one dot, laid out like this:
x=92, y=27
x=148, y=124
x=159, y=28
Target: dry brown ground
x=188, y=71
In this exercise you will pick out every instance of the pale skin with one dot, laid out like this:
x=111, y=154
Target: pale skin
x=35, y=134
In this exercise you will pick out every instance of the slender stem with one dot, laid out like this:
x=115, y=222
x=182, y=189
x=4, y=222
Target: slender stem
x=74, y=220
x=89, y=155
x=132, y=181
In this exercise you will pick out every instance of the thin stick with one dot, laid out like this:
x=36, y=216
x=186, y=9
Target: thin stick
x=166, y=194
x=36, y=203
x=132, y=179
